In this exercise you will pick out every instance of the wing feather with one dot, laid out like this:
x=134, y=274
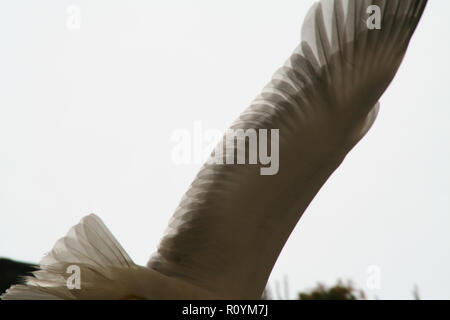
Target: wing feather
x=232, y=223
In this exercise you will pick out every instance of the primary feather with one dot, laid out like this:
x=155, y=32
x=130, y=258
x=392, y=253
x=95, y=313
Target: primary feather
x=232, y=223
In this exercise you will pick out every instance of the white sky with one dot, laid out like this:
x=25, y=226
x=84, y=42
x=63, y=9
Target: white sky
x=86, y=118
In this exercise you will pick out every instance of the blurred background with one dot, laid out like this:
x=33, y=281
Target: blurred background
x=91, y=93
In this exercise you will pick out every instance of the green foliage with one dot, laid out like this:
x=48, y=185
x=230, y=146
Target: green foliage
x=340, y=291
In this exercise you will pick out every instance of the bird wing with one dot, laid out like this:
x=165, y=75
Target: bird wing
x=232, y=223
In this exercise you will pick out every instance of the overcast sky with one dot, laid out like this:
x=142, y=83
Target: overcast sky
x=88, y=108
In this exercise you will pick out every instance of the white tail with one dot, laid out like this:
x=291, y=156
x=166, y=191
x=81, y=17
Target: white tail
x=104, y=270
x=87, y=258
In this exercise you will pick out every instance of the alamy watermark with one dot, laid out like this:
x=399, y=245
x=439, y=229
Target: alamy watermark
x=236, y=146
x=373, y=281
x=73, y=20
x=374, y=19
x=74, y=280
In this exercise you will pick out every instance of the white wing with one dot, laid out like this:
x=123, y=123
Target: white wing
x=232, y=223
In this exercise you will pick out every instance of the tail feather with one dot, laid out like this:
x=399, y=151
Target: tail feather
x=94, y=253
x=24, y=292
x=77, y=246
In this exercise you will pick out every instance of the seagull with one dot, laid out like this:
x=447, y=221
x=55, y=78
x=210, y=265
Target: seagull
x=229, y=228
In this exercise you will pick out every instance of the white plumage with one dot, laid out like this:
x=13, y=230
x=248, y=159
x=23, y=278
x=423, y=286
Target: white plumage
x=232, y=223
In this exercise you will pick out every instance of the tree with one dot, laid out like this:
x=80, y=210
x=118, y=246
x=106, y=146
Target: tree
x=12, y=271
x=340, y=291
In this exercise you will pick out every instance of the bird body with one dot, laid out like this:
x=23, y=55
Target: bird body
x=323, y=100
